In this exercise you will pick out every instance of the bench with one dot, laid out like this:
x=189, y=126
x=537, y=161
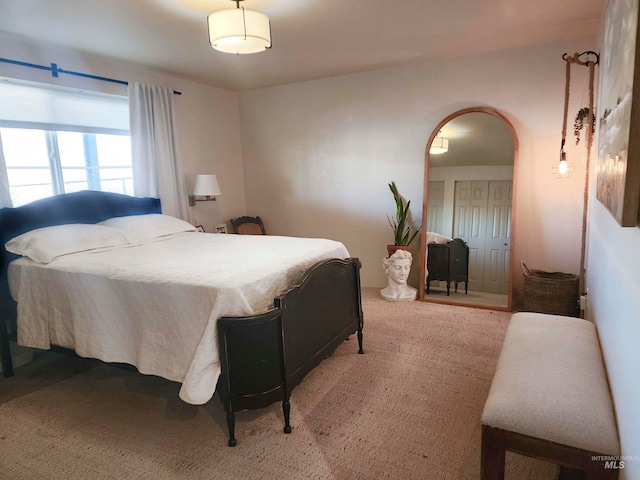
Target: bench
x=550, y=400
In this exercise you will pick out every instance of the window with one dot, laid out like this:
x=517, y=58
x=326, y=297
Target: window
x=55, y=140
x=41, y=163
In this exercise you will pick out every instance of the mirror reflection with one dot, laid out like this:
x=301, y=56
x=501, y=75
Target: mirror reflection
x=466, y=237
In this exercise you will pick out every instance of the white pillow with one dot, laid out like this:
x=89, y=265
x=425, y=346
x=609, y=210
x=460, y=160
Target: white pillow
x=144, y=227
x=437, y=238
x=45, y=244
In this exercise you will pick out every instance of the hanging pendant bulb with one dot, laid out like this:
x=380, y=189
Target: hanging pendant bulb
x=563, y=169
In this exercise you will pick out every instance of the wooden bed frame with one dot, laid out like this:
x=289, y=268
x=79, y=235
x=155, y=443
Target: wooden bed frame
x=262, y=357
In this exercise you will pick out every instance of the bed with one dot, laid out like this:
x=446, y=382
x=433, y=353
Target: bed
x=246, y=316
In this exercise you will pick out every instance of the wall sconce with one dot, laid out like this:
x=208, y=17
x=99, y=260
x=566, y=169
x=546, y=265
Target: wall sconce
x=207, y=187
x=439, y=145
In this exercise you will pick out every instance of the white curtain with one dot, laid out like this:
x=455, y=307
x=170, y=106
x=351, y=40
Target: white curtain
x=5, y=195
x=156, y=169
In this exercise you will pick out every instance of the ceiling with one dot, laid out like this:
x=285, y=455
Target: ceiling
x=311, y=38
x=476, y=138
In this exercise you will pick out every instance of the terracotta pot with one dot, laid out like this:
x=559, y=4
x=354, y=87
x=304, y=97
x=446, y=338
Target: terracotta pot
x=391, y=249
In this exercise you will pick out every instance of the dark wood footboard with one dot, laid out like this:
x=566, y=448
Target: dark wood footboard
x=318, y=315
x=264, y=357
x=252, y=364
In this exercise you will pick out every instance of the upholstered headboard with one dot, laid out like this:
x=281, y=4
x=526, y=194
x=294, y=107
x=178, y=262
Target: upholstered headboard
x=86, y=206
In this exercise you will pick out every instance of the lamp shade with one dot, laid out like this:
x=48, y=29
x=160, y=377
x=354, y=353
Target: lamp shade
x=207, y=186
x=439, y=145
x=239, y=31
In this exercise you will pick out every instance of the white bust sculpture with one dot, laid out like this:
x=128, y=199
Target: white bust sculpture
x=397, y=268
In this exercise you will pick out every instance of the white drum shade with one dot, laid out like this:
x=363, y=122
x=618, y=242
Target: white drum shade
x=239, y=31
x=439, y=145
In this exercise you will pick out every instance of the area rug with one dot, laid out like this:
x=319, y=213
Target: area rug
x=409, y=408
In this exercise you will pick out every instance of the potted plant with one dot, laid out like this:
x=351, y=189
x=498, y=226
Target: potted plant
x=582, y=119
x=404, y=231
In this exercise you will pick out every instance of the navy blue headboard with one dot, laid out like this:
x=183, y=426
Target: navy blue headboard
x=87, y=206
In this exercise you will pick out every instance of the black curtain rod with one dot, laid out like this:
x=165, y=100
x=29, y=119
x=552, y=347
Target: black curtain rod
x=55, y=71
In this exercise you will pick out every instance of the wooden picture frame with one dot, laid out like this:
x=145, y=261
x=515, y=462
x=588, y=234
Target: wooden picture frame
x=618, y=175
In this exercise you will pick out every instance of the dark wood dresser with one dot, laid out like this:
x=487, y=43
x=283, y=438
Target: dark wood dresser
x=448, y=263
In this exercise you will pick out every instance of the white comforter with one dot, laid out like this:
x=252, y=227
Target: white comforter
x=155, y=305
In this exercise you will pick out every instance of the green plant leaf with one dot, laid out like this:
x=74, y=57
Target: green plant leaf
x=404, y=232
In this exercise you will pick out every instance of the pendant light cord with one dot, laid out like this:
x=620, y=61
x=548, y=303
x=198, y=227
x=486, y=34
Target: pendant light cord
x=567, y=83
x=585, y=203
x=589, y=143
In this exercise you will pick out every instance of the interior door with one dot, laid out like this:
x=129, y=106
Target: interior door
x=498, y=237
x=436, y=207
x=470, y=224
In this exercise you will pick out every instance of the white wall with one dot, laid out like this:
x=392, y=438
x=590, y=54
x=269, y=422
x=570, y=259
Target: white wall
x=207, y=118
x=318, y=155
x=613, y=284
x=613, y=280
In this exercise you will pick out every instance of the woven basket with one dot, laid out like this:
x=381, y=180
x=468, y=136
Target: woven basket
x=551, y=292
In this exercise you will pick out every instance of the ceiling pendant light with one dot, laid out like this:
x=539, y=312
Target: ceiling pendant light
x=439, y=145
x=239, y=31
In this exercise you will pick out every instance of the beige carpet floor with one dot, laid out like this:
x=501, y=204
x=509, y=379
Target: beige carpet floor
x=409, y=408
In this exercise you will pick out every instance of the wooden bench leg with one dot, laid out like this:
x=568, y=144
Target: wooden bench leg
x=493, y=454
x=596, y=470
x=577, y=464
x=571, y=474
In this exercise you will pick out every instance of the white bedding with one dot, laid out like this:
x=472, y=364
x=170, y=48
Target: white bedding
x=155, y=305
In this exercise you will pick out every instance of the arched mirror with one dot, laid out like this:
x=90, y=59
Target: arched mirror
x=468, y=211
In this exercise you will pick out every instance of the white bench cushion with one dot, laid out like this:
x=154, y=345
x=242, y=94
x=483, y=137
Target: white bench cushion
x=550, y=383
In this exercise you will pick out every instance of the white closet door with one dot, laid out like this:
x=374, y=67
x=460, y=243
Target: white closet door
x=482, y=218
x=436, y=207
x=498, y=238
x=470, y=224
